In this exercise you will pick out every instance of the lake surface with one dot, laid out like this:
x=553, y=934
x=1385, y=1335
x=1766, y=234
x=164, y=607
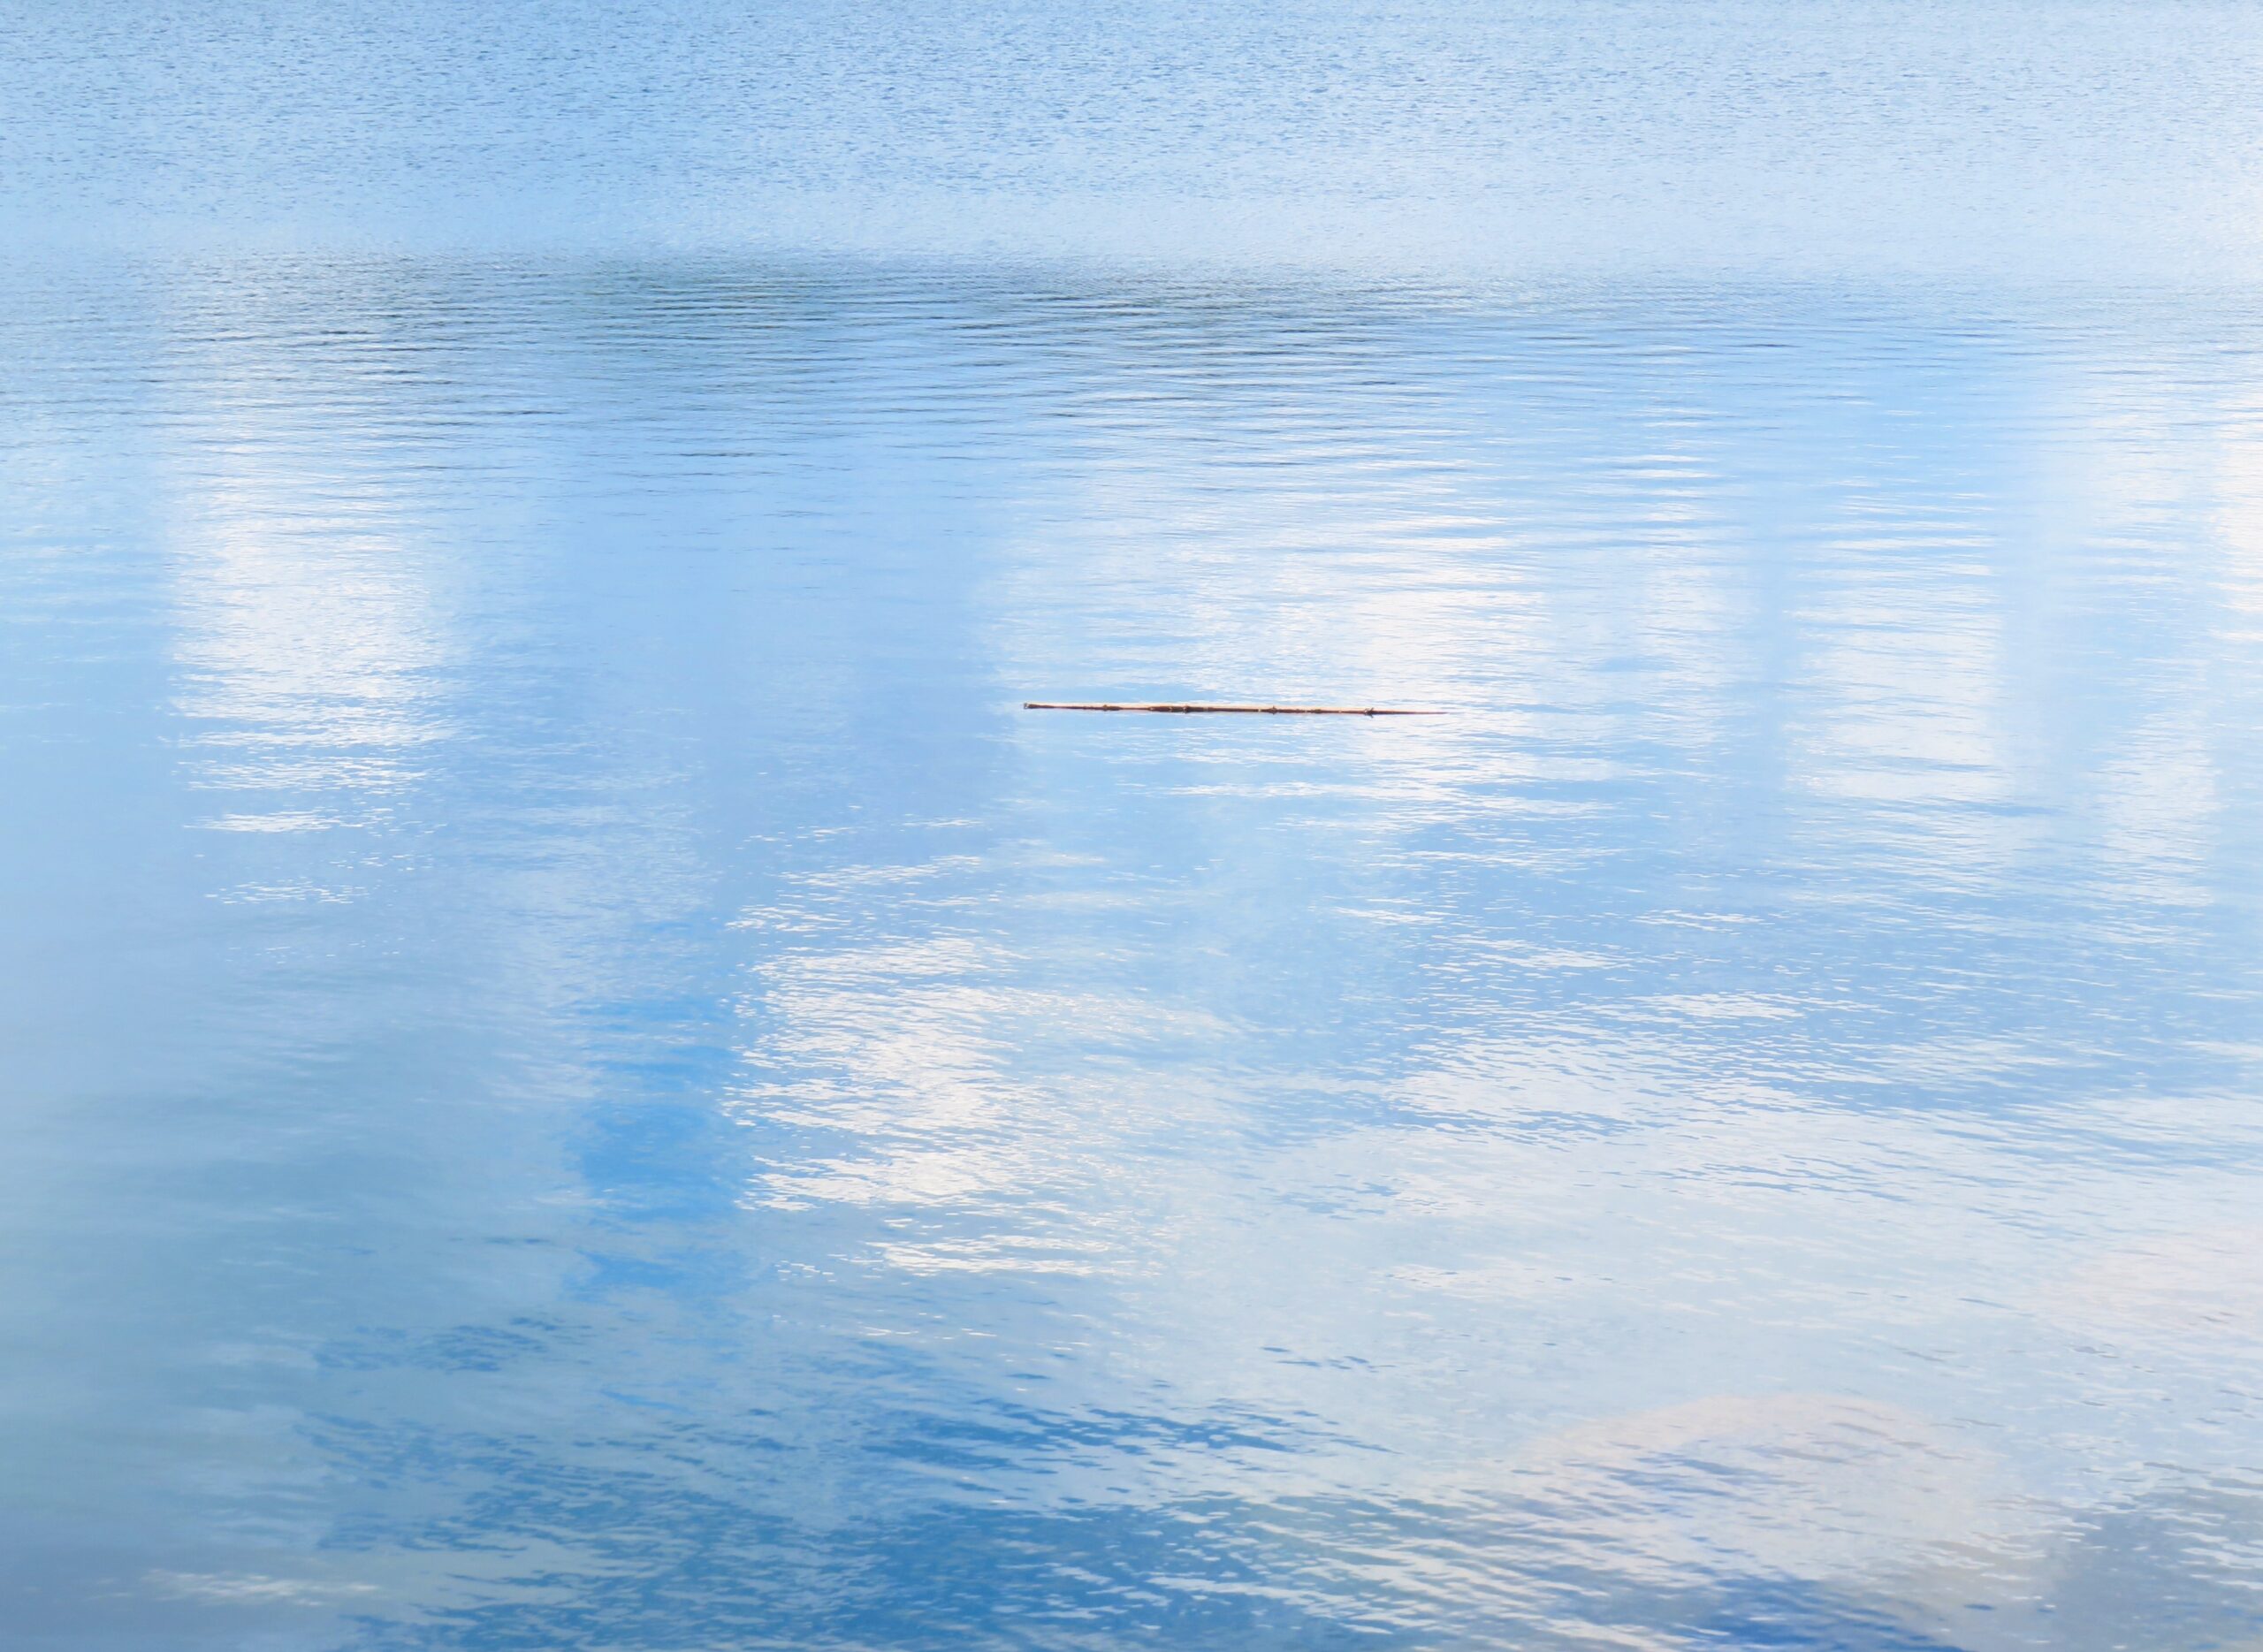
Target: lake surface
x=579, y=1074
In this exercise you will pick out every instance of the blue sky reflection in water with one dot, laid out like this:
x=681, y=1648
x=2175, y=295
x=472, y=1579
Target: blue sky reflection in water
x=580, y=1076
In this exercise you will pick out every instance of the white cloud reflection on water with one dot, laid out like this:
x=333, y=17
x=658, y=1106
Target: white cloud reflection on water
x=1387, y=1267
x=1497, y=1199
x=1584, y=1168
x=307, y=654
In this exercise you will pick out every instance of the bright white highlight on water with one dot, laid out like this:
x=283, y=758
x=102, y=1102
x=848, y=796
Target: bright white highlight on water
x=580, y=1073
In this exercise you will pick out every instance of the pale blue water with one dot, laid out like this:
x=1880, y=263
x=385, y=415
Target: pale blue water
x=578, y=1074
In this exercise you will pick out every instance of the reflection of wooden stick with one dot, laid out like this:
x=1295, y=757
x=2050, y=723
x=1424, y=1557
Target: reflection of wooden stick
x=1256, y=711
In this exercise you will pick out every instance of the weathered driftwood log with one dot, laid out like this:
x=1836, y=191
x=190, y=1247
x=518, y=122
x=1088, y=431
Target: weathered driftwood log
x=1254, y=710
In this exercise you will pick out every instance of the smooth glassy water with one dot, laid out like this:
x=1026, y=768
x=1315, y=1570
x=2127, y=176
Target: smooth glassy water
x=580, y=1075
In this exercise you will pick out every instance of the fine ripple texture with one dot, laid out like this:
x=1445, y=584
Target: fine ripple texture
x=581, y=1076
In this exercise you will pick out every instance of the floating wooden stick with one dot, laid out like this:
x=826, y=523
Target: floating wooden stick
x=1252, y=711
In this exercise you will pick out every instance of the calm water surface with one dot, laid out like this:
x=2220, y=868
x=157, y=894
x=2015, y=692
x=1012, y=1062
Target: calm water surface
x=578, y=1074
